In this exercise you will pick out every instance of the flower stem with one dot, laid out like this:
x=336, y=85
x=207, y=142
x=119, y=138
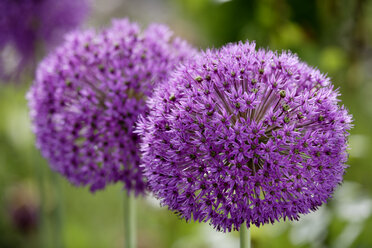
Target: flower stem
x=245, y=236
x=129, y=221
x=57, y=212
x=43, y=229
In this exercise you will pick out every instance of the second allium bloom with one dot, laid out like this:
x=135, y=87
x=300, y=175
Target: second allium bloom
x=87, y=96
x=241, y=135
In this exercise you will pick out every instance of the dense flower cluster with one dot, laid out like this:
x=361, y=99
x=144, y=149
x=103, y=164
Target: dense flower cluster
x=241, y=135
x=27, y=24
x=87, y=96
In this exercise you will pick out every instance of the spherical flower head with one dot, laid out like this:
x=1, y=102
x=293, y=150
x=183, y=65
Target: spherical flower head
x=240, y=135
x=27, y=25
x=87, y=96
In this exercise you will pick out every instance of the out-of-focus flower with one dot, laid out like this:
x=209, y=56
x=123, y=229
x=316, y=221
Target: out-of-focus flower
x=87, y=96
x=31, y=25
x=23, y=207
x=241, y=135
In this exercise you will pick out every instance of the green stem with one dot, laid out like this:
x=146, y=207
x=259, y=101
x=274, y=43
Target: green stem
x=129, y=221
x=40, y=180
x=57, y=212
x=245, y=236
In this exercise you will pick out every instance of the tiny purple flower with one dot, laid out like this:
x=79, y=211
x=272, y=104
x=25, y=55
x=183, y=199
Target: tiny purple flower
x=88, y=93
x=240, y=135
x=29, y=26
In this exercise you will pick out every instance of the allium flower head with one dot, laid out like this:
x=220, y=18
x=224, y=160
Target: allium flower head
x=27, y=24
x=87, y=96
x=241, y=135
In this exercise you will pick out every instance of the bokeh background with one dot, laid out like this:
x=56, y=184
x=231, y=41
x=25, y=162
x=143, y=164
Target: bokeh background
x=39, y=208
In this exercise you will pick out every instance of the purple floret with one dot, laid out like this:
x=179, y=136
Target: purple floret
x=241, y=135
x=88, y=94
x=30, y=26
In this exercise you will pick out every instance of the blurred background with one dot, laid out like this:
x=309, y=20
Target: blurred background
x=41, y=209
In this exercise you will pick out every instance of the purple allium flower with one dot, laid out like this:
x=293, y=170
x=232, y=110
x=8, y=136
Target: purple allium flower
x=88, y=94
x=243, y=135
x=27, y=25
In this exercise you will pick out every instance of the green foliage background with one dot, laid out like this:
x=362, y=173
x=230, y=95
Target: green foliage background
x=334, y=35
